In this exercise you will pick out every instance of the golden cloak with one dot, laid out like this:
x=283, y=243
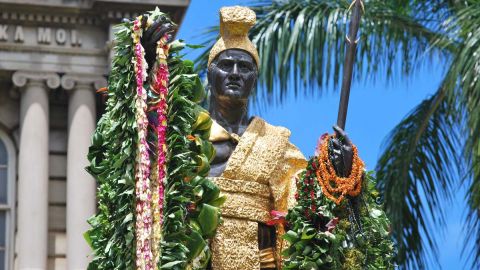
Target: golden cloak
x=259, y=177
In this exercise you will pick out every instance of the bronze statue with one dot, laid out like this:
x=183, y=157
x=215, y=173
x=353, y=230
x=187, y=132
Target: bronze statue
x=232, y=76
x=255, y=163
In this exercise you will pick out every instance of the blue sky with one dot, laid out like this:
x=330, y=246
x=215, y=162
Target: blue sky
x=374, y=110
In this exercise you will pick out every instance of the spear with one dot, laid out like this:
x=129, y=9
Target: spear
x=351, y=40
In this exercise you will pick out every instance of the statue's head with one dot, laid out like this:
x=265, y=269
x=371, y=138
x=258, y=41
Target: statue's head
x=233, y=61
x=232, y=75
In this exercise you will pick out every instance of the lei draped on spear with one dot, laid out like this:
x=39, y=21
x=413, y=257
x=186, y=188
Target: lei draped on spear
x=150, y=155
x=338, y=222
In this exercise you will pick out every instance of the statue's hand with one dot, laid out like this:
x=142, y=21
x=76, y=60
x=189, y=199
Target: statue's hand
x=341, y=152
x=159, y=28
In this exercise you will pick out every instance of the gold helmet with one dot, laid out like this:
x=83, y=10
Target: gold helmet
x=235, y=22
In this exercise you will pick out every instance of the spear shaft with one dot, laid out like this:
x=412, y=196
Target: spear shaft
x=351, y=40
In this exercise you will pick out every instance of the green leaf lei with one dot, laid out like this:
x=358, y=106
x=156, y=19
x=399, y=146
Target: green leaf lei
x=323, y=235
x=191, y=203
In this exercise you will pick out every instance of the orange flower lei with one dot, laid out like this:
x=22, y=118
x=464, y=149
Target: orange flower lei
x=333, y=186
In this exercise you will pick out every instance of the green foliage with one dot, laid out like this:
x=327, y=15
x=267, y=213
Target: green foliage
x=425, y=143
x=191, y=200
x=322, y=235
x=112, y=163
x=423, y=154
x=464, y=33
x=191, y=206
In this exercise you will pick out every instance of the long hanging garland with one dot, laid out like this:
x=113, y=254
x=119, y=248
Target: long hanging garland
x=328, y=230
x=143, y=193
x=150, y=155
x=159, y=85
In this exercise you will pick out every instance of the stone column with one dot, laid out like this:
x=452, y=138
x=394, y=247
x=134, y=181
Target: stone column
x=81, y=187
x=33, y=168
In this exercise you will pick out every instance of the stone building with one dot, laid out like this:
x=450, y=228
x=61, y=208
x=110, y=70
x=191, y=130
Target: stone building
x=54, y=54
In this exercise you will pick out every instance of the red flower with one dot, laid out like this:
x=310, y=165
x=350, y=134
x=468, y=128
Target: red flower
x=277, y=218
x=191, y=207
x=296, y=196
x=332, y=224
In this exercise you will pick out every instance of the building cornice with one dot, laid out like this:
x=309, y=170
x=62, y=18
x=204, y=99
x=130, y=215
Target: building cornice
x=86, y=4
x=91, y=13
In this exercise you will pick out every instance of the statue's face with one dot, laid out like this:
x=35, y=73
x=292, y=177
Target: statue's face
x=232, y=75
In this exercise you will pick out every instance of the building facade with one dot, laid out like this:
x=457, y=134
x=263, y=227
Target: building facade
x=54, y=54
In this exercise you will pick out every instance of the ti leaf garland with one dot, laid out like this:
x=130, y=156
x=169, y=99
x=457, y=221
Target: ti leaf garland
x=322, y=234
x=157, y=140
x=191, y=200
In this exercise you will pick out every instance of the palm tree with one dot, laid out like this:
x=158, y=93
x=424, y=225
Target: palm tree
x=436, y=147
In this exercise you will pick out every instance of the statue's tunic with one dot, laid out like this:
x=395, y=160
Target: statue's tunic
x=259, y=177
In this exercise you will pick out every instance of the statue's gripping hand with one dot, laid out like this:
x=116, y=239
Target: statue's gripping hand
x=341, y=152
x=159, y=28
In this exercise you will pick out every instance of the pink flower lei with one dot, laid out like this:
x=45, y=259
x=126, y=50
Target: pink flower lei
x=159, y=85
x=149, y=207
x=143, y=225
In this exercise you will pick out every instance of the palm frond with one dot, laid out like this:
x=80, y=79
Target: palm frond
x=416, y=172
x=464, y=31
x=302, y=42
x=211, y=35
x=473, y=218
x=469, y=67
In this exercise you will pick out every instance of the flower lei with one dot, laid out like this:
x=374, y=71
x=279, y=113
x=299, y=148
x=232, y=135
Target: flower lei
x=150, y=204
x=156, y=207
x=333, y=184
x=159, y=86
x=144, y=221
